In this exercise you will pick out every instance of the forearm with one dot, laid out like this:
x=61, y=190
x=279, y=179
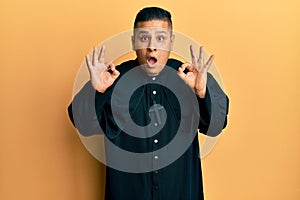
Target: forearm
x=83, y=113
x=213, y=109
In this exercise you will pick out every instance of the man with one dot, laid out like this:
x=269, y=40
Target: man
x=94, y=110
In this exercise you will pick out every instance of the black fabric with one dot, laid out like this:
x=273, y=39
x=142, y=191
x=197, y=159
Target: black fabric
x=182, y=179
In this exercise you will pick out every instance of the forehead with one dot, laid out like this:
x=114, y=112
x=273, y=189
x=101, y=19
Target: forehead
x=152, y=24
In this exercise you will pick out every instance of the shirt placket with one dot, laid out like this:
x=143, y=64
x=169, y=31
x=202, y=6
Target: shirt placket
x=156, y=124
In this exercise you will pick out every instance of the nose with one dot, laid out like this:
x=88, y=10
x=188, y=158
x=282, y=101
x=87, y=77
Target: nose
x=151, y=45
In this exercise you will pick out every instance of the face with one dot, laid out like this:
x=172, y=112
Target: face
x=152, y=42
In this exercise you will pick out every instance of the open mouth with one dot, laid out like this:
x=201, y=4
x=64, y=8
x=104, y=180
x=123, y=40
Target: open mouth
x=151, y=61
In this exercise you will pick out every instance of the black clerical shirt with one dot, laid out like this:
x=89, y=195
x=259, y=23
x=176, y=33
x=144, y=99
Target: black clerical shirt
x=179, y=180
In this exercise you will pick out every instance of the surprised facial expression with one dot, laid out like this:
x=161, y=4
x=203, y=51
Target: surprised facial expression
x=152, y=42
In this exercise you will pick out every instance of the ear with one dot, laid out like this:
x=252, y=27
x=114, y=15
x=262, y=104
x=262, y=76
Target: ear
x=172, y=42
x=133, y=42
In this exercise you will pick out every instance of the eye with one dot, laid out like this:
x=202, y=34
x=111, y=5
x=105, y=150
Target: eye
x=144, y=38
x=160, y=38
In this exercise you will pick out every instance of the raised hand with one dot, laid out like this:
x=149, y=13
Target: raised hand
x=102, y=75
x=196, y=77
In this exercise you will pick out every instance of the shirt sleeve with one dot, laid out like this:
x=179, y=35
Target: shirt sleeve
x=84, y=113
x=213, y=109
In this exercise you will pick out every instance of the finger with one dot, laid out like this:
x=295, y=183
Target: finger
x=88, y=62
x=181, y=73
x=209, y=62
x=115, y=73
x=201, y=56
x=193, y=54
x=102, y=54
x=110, y=66
x=191, y=68
x=188, y=66
x=185, y=65
x=95, y=55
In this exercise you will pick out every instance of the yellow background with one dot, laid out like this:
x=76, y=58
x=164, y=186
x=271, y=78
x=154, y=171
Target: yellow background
x=256, y=44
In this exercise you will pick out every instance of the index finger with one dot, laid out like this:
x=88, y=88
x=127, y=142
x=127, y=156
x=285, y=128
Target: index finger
x=193, y=55
x=102, y=54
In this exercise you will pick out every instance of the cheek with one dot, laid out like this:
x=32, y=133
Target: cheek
x=164, y=56
x=141, y=56
x=141, y=52
x=138, y=53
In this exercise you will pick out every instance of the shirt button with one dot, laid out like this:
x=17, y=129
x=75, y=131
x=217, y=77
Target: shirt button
x=156, y=187
x=153, y=78
x=155, y=172
x=154, y=92
x=155, y=157
x=155, y=124
x=156, y=141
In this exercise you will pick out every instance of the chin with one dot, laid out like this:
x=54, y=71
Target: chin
x=153, y=70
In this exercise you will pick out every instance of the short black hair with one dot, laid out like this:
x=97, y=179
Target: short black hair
x=152, y=13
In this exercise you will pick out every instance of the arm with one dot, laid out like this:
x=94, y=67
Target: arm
x=85, y=113
x=88, y=105
x=213, y=109
x=213, y=102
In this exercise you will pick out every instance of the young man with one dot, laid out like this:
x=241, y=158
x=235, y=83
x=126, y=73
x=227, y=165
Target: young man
x=200, y=103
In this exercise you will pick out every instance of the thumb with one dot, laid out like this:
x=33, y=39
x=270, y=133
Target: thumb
x=180, y=73
x=115, y=73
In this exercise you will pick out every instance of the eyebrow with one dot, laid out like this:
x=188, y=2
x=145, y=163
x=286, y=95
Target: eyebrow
x=141, y=32
x=145, y=32
x=161, y=32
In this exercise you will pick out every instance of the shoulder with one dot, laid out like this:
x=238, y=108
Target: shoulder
x=174, y=63
x=127, y=65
